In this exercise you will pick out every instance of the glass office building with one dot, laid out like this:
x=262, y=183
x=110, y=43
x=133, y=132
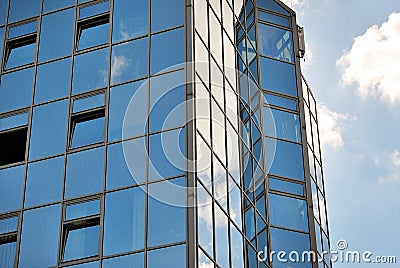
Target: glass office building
x=157, y=133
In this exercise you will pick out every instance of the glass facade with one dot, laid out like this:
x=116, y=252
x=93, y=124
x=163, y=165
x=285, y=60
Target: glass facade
x=156, y=133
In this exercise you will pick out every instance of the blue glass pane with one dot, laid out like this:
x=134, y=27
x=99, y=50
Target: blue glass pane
x=21, y=55
x=88, y=103
x=250, y=228
x=85, y=172
x=22, y=9
x=205, y=228
x=7, y=255
x=166, y=14
x=3, y=12
x=135, y=93
x=127, y=261
x=88, y=132
x=275, y=42
x=221, y=237
x=49, y=125
x=119, y=174
x=287, y=160
x=280, y=101
x=166, y=153
x=274, y=18
x=50, y=5
x=278, y=76
x=94, y=10
x=8, y=225
x=11, y=183
x=285, y=186
x=288, y=212
x=82, y=243
x=90, y=71
x=22, y=29
x=167, y=50
x=167, y=101
x=13, y=121
x=82, y=210
x=53, y=42
x=237, y=248
x=44, y=182
x=53, y=80
x=284, y=126
x=1, y=38
x=129, y=61
x=39, y=239
x=16, y=90
x=94, y=264
x=93, y=36
x=166, y=222
x=288, y=241
x=130, y=19
x=272, y=5
x=124, y=221
x=167, y=257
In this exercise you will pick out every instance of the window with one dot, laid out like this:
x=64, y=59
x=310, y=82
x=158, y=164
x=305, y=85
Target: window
x=20, y=45
x=93, y=25
x=81, y=230
x=13, y=133
x=87, y=121
x=8, y=241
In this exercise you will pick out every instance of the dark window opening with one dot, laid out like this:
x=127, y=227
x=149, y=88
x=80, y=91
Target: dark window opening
x=20, y=51
x=87, y=128
x=93, y=31
x=13, y=146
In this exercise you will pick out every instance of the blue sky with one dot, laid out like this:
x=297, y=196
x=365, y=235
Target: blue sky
x=353, y=67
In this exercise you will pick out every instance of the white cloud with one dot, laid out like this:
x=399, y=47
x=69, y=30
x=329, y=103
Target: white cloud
x=331, y=127
x=391, y=162
x=395, y=156
x=373, y=61
x=292, y=3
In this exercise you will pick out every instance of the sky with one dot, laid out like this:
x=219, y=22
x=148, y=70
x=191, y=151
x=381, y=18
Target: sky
x=352, y=65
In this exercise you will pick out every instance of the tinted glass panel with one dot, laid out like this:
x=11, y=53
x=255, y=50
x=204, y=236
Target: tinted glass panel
x=287, y=161
x=53, y=42
x=49, y=125
x=13, y=121
x=22, y=29
x=119, y=174
x=44, y=182
x=53, y=80
x=11, y=183
x=93, y=35
x=128, y=261
x=274, y=18
x=88, y=103
x=94, y=264
x=285, y=186
x=166, y=222
x=221, y=237
x=280, y=101
x=3, y=11
x=130, y=19
x=278, y=76
x=275, y=42
x=136, y=94
x=82, y=210
x=82, y=243
x=284, y=125
x=8, y=225
x=129, y=61
x=7, y=254
x=84, y=173
x=272, y=5
x=237, y=247
x=1, y=38
x=90, y=71
x=288, y=212
x=40, y=227
x=94, y=10
x=167, y=257
x=167, y=50
x=166, y=14
x=50, y=5
x=21, y=9
x=124, y=221
x=21, y=55
x=87, y=132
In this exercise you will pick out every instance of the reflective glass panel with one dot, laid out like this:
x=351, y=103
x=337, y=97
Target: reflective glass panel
x=204, y=220
x=88, y=11
x=166, y=222
x=272, y=5
x=284, y=125
x=81, y=210
x=278, y=76
x=88, y=103
x=275, y=42
x=285, y=186
x=88, y=131
x=7, y=254
x=91, y=35
x=280, y=101
x=8, y=225
x=94, y=264
x=22, y=9
x=124, y=221
x=53, y=80
x=166, y=14
x=13, y=121
x=53, y=42
x=22, y=29
x=167, y=257
x=287, y=160
x=167, y=49
x=40, y=233
x=221, y=237
x=3, y=12
x=44, y=182
x=90, y=71
x=274, y=18
x=85, y=171
x=16, y=90
x=11, y=183
x=129, y=61
x=236, y=248
x=50, y=5
x=82, y=243
x=1, y=38
x=49, y=125
x=288, y=212
x=127, y=261
x=130, y=19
